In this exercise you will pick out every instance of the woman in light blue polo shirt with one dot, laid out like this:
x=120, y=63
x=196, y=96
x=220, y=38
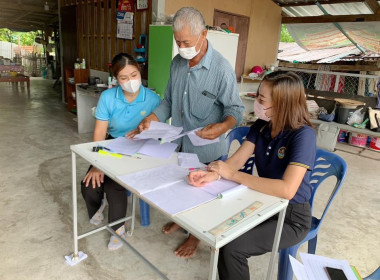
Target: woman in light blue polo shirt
x=119, y=110
x=284, y=144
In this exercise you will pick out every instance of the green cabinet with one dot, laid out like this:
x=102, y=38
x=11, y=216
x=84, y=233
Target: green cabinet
x=160, y=56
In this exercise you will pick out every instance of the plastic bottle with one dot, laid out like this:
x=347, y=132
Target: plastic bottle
x=83, y=64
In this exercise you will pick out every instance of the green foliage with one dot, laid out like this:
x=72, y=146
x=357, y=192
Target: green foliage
x=26, y=38
x=285, y=35
x=6, y=35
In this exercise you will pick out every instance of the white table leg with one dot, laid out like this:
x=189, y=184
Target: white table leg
x=75, y=212
x=276, y=242
x=213, y=264
x=134, y=199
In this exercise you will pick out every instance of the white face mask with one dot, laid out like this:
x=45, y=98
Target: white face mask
x=132, y=86
x=190, y=53
x=260, y=110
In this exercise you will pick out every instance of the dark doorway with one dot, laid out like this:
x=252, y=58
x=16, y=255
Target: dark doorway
x=241, y=25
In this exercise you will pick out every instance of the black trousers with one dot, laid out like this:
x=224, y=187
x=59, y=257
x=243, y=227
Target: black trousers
x=233, y=256
x=116, y=197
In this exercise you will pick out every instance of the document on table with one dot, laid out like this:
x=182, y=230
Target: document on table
x=167, y=187
x=149, y=147
x=178, y=197
x=313, y=267
x=155, y=178
x=189, y=160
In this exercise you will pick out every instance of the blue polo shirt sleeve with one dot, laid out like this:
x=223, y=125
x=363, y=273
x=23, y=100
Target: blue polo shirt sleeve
x=102, y=112
x=302, y=148
x=255, y=130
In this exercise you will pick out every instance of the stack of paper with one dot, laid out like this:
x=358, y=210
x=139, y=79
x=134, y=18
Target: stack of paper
x=189, y=160
x=149, y=147
x=314, y=267
x=167, y=188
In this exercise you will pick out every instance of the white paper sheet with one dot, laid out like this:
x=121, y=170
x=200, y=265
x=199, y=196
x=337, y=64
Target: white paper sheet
x=218, y=187
x=178, y=197
x=315, y=267
x=198, y=141
x=155, y=178
x=189, y=160
x=154, y=148
x=298, y=269
x=159, y=130
x=149, y=147
x=122, y=145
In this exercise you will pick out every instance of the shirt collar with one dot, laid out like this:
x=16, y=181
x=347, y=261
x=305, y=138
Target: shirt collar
x=206, y=59
x=140, y=97
x=267, y=133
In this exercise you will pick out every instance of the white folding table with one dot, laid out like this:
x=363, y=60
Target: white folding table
x=198, y=221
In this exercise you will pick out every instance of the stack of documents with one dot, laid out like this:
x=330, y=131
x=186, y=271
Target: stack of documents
x=167, y=188
x=149, y=147
x=313, y=267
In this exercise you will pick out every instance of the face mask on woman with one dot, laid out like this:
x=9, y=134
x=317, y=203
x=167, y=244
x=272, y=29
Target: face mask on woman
x=190, y=53
x=260, y=110
x=132, y=86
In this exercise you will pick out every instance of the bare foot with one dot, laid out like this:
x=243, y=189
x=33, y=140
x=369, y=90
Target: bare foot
x=170, y=227
x=188, y=248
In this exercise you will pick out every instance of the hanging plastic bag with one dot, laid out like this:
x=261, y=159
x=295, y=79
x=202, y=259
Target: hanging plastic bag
x=356, y=117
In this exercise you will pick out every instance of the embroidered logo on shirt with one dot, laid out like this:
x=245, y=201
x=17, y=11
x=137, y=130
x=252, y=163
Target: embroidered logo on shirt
x=281, y=152
x=143, y=113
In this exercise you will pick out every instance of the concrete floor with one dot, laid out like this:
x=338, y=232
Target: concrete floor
x=36, y=217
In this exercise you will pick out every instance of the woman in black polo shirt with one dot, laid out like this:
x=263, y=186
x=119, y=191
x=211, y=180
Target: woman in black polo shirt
x=284, y=144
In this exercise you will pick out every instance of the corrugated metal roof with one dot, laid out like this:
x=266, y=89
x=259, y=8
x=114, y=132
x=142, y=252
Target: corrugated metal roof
x=293, y=52
x=332, y=9
x=367, y=37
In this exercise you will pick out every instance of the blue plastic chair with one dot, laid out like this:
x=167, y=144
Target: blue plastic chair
x=374, y=275
x=326, y=164
x=239, y=134
x=144, y=212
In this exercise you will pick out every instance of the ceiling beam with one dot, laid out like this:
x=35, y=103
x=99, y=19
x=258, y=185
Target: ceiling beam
x=29, y=8
x=25, y=27
x=308, y=3
x=330, y=19
x=374, y=6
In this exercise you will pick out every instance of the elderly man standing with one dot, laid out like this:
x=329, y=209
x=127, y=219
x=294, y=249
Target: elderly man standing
x=201, y=92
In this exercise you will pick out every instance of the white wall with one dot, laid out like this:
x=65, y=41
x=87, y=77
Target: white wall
x=7, y=49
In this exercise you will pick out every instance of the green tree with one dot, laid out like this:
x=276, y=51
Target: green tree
x=26, y=38
x=285, y=35
x=6, y=35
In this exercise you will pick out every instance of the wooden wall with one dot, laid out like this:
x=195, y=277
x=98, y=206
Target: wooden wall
x=96, y=31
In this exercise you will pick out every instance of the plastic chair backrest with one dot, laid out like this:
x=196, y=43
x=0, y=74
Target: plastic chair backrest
x=239, y=134
x=327, y=164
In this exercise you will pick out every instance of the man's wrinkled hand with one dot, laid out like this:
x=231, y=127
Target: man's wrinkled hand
x=212, y=131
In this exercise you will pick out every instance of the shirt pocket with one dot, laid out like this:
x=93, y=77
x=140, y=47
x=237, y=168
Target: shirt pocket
x=202, y=104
